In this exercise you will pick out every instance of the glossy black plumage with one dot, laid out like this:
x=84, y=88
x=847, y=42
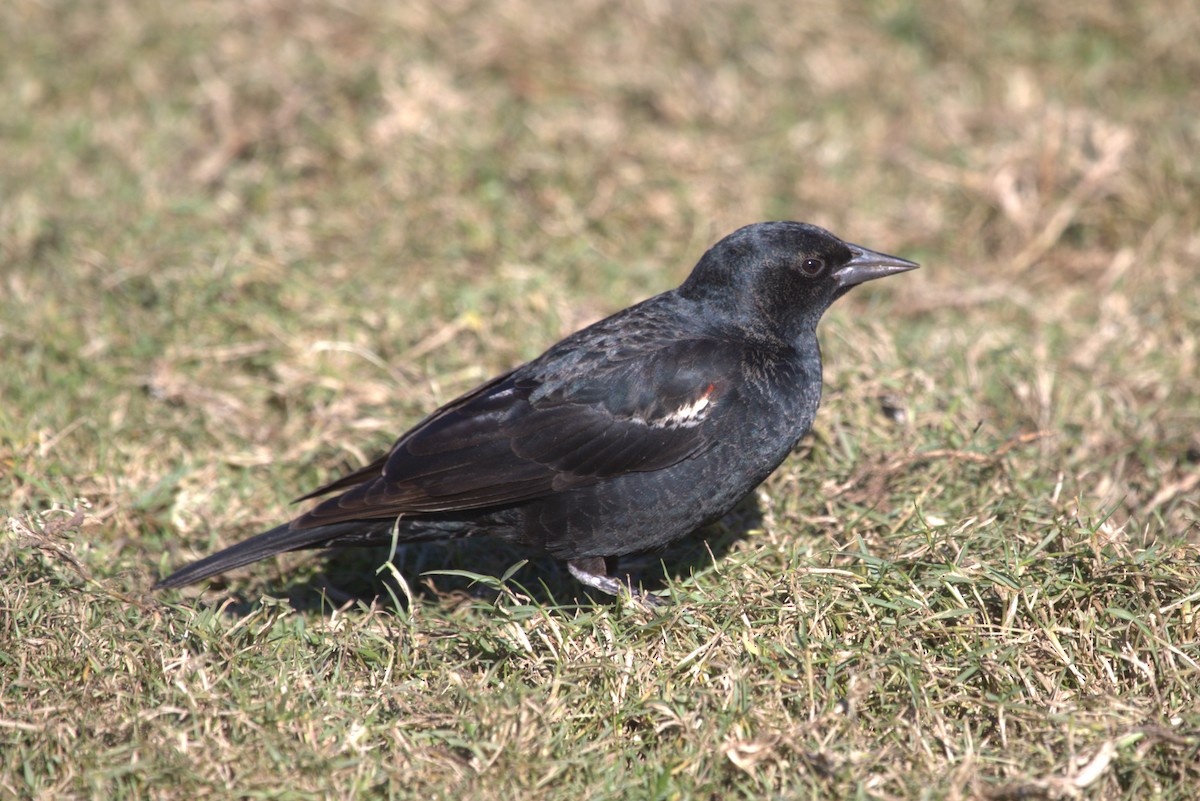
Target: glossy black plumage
x=622, y=437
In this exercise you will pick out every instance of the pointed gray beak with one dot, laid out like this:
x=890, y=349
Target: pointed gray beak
x=867, y=265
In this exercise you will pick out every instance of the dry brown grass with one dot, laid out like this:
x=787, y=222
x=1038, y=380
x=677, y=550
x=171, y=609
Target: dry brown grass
x=244, y=244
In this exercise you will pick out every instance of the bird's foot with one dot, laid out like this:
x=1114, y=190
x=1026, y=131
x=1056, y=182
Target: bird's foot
x=593, y=572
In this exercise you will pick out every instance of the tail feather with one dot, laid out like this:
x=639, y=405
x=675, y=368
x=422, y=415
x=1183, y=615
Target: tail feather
x=278, y=540
x=352, y=533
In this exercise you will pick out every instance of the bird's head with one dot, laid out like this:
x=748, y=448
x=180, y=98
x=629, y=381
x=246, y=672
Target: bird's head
x=780, y=277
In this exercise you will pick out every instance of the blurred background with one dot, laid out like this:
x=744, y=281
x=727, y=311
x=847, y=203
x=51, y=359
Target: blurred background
x=267, y=236
x=245, y=243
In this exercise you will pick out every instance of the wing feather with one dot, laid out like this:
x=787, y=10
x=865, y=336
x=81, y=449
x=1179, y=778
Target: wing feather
x=566, y=420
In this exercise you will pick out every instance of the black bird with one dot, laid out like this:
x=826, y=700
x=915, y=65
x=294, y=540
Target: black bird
x=621, y=438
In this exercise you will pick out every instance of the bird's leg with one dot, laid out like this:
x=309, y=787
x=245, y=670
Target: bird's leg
x=593, y=572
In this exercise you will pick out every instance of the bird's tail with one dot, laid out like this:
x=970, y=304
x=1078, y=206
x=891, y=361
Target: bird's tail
x=279, y=540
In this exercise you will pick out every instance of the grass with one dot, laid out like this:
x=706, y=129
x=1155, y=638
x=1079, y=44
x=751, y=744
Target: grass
x=242, y=246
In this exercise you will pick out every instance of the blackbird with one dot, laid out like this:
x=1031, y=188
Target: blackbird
x=621, y=438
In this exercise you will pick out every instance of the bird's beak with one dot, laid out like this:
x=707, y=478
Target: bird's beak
x=867, y=265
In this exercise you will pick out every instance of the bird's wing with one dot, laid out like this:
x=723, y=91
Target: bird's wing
x=579, y=418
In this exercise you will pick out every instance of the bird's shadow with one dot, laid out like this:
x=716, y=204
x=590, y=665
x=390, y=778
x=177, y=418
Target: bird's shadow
x=434, y=572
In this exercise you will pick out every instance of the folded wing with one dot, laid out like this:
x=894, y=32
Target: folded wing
x=560, y=422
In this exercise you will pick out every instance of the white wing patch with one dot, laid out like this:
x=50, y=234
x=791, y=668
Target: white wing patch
x=689, y=415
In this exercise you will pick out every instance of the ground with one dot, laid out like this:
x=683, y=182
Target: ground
x=245, y=244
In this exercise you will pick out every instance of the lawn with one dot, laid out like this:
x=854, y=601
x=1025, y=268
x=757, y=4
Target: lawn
x=243, y=245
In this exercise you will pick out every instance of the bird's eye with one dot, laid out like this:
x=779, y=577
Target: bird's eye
x=812, y=267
